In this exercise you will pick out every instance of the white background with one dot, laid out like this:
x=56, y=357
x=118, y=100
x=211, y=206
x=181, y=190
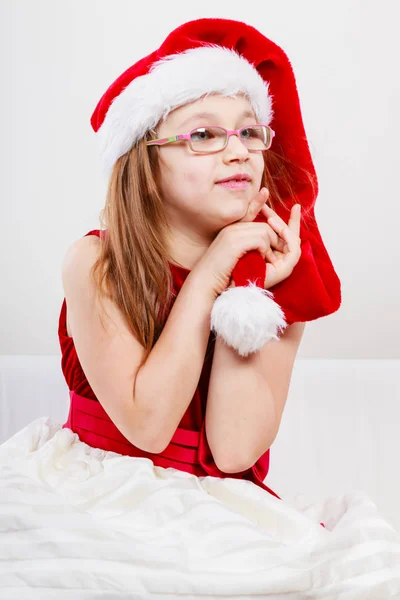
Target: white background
x=59, y=57
x=339, y=430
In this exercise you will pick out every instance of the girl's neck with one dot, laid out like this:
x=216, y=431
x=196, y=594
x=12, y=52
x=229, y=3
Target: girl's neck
x=185, y=250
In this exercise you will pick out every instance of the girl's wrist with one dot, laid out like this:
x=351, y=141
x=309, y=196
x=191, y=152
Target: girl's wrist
x=199, y=287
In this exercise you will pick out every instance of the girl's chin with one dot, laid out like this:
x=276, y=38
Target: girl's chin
x=234, y=210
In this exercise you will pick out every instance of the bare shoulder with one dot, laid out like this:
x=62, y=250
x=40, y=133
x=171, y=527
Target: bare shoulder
x=76, y=265
x=80, y=254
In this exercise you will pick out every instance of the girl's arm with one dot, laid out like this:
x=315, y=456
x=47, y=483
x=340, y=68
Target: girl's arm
x=146, y=403
x=246, y=398
x=169, y=378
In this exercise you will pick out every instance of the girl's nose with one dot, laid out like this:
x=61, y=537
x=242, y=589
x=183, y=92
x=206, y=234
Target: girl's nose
x=236, y=146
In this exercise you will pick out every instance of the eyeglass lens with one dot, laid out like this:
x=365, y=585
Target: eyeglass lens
x=208, y=139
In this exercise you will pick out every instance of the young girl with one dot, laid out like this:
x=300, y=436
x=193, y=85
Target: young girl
x=169, y=431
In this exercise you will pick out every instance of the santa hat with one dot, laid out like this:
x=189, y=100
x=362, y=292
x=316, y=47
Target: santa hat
x=230, y=57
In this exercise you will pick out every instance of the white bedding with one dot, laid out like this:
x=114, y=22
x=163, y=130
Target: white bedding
x=81, y=523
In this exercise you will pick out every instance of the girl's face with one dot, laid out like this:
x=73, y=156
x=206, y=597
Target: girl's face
x=193, y=199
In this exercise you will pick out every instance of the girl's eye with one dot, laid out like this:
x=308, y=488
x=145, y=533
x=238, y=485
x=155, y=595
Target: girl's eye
x=249, y=133
x=202, y=134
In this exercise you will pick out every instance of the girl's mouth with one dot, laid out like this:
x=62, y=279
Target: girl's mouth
x=235, y=184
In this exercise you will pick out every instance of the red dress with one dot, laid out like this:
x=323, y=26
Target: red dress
x=188, y=450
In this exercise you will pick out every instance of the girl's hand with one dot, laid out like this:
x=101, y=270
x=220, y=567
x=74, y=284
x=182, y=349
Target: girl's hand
x=254, y=208
x=214, y=269
x=282, y=260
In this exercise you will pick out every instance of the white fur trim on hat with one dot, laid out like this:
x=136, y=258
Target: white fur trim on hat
x=174, y=81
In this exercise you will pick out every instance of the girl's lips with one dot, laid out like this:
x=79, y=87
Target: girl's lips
x=235, y=184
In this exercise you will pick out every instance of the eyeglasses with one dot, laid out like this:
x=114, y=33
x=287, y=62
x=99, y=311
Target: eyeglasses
x=207, y=140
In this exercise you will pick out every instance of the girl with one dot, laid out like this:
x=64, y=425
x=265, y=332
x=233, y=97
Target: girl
x=169, y=431
x=146, y=380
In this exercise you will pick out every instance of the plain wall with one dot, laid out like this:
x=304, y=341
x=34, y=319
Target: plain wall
x=58, y=58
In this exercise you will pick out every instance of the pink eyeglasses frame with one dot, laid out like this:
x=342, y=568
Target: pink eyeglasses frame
x=229, y=132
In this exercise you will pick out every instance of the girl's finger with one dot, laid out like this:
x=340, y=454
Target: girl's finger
x=256, y=205
x=289, y=233
x=261, y=199
x=269, y=255
x=278, y=225
x=293, y=226
x=295, y=218
x=270, y=213
x=292, y=240
x=275, y=240
x=273, y=219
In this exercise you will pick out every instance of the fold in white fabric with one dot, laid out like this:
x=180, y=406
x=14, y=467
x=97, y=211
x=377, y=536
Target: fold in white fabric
x=80, y=523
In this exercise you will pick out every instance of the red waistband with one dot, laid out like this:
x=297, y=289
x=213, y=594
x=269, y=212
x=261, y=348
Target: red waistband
x=89, y=419
x=188, y=450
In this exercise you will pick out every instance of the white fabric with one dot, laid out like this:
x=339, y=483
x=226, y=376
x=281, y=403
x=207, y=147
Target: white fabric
x=339, y=431
x=80, y=523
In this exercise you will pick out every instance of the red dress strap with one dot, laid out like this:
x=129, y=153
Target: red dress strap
x=97, y=232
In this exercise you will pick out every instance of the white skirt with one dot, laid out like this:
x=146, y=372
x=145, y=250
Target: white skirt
x=79, y=523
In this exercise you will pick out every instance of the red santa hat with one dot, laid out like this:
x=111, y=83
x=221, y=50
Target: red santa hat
x=230, y=57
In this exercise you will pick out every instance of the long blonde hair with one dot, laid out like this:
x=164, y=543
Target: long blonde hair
x=133, y=265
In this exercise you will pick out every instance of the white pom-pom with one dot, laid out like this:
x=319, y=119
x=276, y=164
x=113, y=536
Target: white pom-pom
x=246, y=318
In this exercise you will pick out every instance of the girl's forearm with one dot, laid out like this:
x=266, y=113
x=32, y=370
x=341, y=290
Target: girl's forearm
x=166, y=383
x=240, y=413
